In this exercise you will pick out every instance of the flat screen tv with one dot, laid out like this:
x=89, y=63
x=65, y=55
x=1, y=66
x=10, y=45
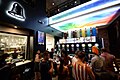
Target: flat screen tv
x=41, y=37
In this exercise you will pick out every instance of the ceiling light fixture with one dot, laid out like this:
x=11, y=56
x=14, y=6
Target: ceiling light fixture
x=75, y=2
x=41, y=22
x=53, y=3
x=15, y=27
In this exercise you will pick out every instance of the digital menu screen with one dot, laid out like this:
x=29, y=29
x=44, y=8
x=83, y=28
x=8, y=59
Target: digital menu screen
x=40, y=37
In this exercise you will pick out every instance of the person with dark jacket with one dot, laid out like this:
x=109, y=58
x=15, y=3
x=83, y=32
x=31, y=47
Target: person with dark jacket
x=51, y=53
x=46, y=67
x=62, y=70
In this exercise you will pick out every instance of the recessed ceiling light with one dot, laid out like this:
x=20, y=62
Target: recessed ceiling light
x=53, y=3
x=75, y=1
x=58, y=9
x=15, y=27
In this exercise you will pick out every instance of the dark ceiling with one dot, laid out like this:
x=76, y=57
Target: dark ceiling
x=56, y=6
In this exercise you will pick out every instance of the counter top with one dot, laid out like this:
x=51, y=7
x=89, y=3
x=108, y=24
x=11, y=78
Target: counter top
x=22, y=62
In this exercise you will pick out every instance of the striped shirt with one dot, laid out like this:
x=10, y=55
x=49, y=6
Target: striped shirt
x=80, y=72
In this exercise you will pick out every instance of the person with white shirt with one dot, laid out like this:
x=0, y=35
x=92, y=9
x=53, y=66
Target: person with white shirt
x=75, y=58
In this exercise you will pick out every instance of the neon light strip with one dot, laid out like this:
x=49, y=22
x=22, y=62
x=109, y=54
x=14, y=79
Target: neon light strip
x=87, y=16
x=66, y=14
x=97, y=15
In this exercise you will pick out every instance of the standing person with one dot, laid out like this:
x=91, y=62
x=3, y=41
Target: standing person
x=97, y=62
x=51, y=53
x=62, y=70
x=66, y=58
x=36, y=65
x=81, y=70
x=109, y=59
x=75, y=58
x=67, y=62
x=46, y=67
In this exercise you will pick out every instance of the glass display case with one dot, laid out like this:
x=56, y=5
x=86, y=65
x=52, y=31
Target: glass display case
x=13, y=45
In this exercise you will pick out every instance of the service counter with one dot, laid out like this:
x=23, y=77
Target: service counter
x=22, y=62
x=22, y=70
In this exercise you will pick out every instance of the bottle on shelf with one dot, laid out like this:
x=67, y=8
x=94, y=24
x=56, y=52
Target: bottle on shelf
x=85, y=32
x=80, y=33
x=91, y=31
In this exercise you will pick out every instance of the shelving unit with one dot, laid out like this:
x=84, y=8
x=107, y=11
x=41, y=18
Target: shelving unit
x=11, y=42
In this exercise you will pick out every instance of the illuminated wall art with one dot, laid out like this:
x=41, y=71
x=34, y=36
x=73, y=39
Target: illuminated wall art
x=41, y=37
x=16, y=11
x=99, y=18
x=82, y=9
